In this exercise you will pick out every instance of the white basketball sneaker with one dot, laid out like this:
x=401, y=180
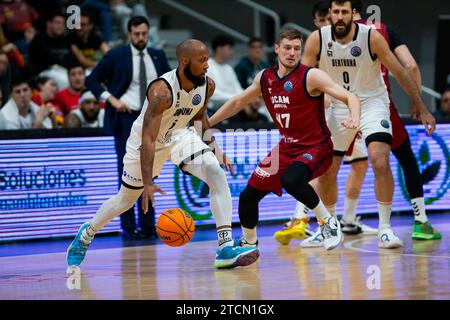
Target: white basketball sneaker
x=331, y=232
x=314, y=241
x=387, y=239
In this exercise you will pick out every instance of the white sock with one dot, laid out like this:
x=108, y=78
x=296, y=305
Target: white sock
x=350, y=210
x=224, y=235
x=418, y=205
x=250, y=235
x=331, y=209
x=384, y=212
x=88, y=234
x=321, y=212
x=300, y=211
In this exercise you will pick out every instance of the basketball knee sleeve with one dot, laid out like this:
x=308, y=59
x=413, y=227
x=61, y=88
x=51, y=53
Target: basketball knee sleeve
x=248, y=206
x=408, y=162
x=296, y=182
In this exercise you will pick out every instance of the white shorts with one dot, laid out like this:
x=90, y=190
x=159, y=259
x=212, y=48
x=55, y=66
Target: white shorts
x=183, y=146
x=375, y=118
x=359, y=152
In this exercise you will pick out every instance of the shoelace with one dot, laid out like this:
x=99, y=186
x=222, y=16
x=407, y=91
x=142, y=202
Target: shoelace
x=327, y=231
x=80, y=249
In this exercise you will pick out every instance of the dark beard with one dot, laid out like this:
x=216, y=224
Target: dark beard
x=197, y=81
x=140, y=47
x=90, y=116
x=343, y=34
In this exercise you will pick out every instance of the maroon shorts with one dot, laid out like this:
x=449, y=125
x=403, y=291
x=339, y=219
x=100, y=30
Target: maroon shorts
x=399, y=133
x=267, y=175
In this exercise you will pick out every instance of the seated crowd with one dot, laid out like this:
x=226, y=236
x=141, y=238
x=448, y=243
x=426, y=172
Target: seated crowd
x=44, y=64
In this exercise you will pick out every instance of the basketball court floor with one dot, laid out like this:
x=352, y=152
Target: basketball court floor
x=358, y=269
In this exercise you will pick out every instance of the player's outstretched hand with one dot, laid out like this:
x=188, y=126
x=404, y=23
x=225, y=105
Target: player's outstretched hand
x=428, y=121
x=350, y=123
x=228, y=164
x=149, y=194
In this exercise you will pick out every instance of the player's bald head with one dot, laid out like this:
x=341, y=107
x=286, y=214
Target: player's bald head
x=190, y=48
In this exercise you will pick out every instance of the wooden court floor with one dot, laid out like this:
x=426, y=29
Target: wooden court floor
x=356, y=270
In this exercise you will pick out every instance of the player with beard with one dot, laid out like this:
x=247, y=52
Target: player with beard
x=162, y=132
x=294, y=96
x=401, y=145
x=352, y=55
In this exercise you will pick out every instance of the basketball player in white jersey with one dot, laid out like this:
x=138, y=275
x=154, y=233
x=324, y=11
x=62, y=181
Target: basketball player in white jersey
x=352, y=55
x=161, y=133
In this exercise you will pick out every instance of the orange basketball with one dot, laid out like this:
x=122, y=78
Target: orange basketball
x=175, y=227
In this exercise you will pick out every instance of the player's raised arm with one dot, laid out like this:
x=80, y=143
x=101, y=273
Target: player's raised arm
x=159, y=99
x=381, y=50
x=237, y=103
x=318, y=81
x=312, y=50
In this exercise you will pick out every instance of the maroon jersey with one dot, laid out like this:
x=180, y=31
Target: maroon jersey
x=299, y=116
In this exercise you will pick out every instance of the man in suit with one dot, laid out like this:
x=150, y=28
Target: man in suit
x=126, y=72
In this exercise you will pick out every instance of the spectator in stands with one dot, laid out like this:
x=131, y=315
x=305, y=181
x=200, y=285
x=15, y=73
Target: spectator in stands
x=227, y=83
x=127, y=71
x=5, y=77
x=67, y=99
x=85, y=43
x=321, y=14
x=44, y=93
x=250, y=65
x=18, y=18
x=22, y=113
x=443, y=113
x=50, y=51
x=47, y=8
x=88, y=115
x=103, y=11
x=10, y=49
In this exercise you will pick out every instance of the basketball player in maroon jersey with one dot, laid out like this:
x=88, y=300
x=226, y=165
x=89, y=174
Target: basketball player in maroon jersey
x=294, y=96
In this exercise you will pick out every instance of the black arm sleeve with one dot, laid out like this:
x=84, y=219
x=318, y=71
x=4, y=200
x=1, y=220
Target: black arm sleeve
x=394, y=39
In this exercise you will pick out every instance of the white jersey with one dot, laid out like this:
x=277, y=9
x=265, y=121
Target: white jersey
x=352, y=65
x=98, y=123
x=185, y=105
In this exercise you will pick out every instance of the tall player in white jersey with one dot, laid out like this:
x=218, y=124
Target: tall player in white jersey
x=162, y=132
x=352, y=55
